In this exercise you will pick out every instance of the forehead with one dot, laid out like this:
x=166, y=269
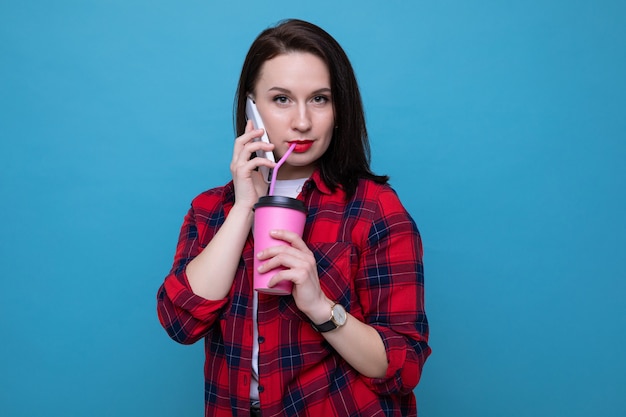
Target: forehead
x=294, y=71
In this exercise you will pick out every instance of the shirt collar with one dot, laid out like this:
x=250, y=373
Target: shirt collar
x=316, y=179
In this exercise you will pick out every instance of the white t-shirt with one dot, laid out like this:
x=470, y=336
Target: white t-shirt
x=288, y=188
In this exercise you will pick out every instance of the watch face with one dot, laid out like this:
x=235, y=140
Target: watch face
x=339, y=315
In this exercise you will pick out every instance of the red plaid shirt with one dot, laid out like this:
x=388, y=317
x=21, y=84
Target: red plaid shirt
x=369, y=259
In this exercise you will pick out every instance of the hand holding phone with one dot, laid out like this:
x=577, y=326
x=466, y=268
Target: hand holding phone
x=252, y=113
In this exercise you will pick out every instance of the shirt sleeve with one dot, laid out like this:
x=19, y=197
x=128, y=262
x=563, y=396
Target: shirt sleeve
x=185, y=316
x=391, y=292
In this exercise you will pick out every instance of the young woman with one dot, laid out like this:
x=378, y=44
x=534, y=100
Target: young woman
x=352, y=337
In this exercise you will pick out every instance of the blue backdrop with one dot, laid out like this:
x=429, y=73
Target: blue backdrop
x=501, y=124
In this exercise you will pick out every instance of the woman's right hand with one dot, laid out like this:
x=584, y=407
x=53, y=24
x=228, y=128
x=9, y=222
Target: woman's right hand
x=248, y=181
x=212, y=271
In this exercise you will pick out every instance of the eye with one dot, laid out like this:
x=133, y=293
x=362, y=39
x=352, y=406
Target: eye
x=321, y=99
x=281, y=99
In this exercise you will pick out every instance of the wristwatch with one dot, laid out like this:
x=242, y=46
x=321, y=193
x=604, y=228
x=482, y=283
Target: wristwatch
x=338, y=318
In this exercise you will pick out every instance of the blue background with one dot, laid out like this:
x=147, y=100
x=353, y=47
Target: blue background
x=501, y=123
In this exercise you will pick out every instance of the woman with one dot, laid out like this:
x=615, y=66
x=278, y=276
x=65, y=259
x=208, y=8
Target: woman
x=351, y=339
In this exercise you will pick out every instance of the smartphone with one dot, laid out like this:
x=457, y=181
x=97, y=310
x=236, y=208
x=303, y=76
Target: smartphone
x=252, y=113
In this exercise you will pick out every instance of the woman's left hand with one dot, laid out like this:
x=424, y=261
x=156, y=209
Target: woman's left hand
x=301, y=270
x=369, y=357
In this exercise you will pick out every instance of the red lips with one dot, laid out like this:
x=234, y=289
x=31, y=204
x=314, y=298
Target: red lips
x=302, y=145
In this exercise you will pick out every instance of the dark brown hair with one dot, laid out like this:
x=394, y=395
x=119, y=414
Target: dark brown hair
x=348, y=156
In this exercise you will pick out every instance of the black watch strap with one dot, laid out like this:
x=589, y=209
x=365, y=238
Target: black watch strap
x=337, y=319
x=324, y=327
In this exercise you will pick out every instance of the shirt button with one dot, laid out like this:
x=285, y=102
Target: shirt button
x=261, y=339
x=261, y=389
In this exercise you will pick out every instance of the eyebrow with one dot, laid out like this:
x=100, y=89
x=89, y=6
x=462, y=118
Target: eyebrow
x=323, y=90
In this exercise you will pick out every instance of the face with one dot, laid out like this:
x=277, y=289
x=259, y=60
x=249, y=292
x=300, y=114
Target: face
x=294, y=100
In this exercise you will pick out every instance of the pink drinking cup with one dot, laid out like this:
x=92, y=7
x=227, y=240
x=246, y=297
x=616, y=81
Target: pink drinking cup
x=272, y=213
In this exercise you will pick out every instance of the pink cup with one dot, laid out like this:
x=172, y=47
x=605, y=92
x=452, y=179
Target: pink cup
x=273, y=213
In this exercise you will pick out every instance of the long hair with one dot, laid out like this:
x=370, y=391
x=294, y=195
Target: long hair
x=348, y=157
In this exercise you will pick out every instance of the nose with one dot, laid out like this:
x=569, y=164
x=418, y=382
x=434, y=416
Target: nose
x=301, y=119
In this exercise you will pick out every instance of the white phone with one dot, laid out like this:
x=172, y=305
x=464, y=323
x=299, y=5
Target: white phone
x=252, y=113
